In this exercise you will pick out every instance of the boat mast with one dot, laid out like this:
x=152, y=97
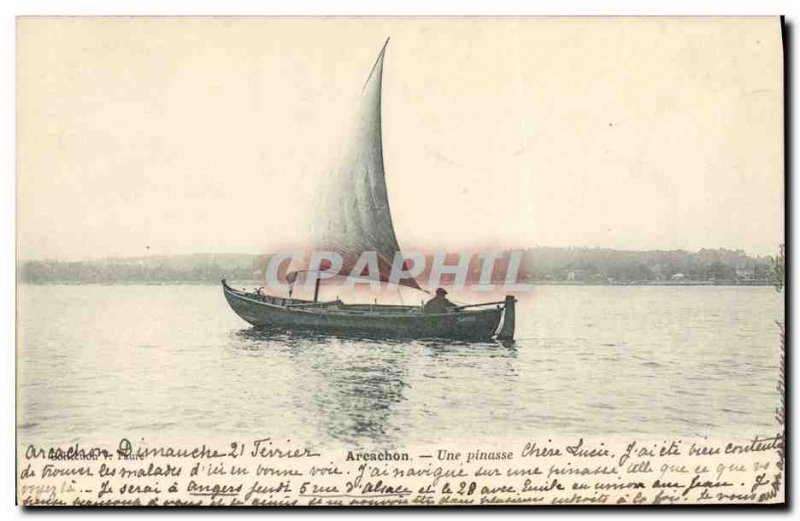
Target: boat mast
x=316, y=289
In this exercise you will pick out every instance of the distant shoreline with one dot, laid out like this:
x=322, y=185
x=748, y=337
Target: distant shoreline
x=540, y=266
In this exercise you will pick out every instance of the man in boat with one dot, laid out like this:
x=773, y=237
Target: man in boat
x=439, y=303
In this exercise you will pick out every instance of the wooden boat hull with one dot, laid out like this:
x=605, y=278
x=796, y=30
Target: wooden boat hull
x=388, y=321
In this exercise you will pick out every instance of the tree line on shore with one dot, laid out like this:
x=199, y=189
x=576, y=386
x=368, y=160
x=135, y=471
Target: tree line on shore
x=539, y=264
x=600, y=265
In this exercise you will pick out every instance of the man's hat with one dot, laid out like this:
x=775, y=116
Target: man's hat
x=441, y=291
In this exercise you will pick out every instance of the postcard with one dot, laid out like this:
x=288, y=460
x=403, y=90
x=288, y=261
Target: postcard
x=353, y=261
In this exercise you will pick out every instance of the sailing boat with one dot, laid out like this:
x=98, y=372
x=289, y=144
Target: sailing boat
x=357, y=220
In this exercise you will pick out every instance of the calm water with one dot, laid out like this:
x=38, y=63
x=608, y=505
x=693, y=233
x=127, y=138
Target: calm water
x=105, y=361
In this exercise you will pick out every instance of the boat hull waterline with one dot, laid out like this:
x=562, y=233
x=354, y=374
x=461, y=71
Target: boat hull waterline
x=267, y=312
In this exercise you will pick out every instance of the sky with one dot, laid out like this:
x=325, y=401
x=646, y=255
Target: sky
x=181, y=135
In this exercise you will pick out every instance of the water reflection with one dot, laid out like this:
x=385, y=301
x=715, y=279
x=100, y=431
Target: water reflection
x=445, y=348
x=358, y=390
x=355, y=401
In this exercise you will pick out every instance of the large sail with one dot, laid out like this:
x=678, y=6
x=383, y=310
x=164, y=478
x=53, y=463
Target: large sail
x=354, y=217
